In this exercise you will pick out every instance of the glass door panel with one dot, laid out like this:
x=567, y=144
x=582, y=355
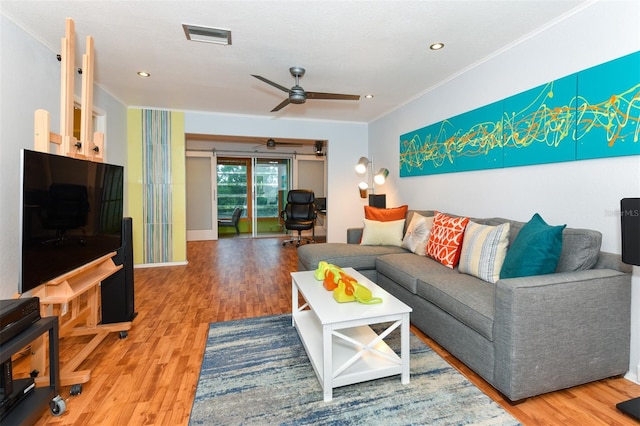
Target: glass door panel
x=271, y=182
x=232, y=177
x=257, y=185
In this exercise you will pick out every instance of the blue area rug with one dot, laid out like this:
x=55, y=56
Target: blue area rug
x=256, y=372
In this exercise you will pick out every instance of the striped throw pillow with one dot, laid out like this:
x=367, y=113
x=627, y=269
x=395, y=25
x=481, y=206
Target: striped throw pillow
x=483, y=250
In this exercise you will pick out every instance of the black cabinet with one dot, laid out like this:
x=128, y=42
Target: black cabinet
x=31, y=407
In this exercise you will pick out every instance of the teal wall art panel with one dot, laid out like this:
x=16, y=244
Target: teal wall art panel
x=609, y=109
x=477, y=142
x=469, y=141
x=425, y=151
x=539, y=124
x=591, y=114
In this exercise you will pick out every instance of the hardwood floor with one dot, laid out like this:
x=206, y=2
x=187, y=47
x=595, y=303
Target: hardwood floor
x=150, y=377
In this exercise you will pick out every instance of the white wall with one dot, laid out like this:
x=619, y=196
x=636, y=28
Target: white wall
x=346, y=143
x=581, y=193
x=30, y=80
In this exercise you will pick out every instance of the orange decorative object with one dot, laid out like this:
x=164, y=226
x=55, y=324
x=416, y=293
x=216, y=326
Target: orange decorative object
x=329, y=282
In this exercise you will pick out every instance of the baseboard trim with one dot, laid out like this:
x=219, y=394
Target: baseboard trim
x=635, y=378
x=160, y=265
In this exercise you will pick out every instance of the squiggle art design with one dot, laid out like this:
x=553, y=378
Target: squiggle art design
x=617, y=116
x=546, y=125
x=586, y=128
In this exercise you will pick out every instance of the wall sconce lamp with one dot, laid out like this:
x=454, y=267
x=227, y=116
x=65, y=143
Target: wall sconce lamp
x=365, y=167
x=361, y=167
x=381, y=177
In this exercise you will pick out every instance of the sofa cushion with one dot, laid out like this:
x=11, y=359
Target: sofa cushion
x=417, y=235
x=382, y=233
x=468, y=299
x=404, y=268
x=385, y=215
x=484, y=248
x=580, y=250
x=580, y=247
x=445, y=240
x=535, y=251
x=343, y=255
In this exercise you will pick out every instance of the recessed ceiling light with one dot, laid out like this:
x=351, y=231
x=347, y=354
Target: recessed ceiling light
x=368, y=96
x=207, y=34
x=144, y=74
x=436, y=46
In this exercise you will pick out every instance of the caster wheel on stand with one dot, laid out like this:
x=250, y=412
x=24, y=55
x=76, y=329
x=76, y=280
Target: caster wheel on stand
x=57, y=406
x=76, y=389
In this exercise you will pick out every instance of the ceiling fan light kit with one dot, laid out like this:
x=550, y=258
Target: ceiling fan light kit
x=297, y=95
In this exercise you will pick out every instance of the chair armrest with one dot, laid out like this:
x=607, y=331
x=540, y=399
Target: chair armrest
x=354, y=235
x=559, y=330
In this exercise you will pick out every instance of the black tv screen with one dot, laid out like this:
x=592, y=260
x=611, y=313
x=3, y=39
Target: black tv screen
x=71, y=214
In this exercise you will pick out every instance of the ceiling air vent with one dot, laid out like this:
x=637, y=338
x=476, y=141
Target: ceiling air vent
x=207, y=35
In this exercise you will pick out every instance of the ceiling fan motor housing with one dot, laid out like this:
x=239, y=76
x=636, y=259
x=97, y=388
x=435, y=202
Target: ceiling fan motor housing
x=297, y=95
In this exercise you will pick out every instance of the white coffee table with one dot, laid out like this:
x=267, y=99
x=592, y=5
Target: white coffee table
x=341, y=346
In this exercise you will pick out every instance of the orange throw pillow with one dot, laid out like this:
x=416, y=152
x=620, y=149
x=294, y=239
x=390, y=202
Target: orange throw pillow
x=445, y=241
x=385, y=215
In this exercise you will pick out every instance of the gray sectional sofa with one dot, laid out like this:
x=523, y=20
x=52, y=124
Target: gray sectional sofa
x=525, y=336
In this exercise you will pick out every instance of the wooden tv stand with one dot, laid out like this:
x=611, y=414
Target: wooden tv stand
x=75, y=298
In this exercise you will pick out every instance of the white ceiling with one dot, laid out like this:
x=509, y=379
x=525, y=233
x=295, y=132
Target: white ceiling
x=353, y=47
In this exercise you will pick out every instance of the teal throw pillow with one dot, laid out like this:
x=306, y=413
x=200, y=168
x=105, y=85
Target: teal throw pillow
x=535, y=251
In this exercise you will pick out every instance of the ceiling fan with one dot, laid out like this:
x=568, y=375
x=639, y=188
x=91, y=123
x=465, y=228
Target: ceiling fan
x=297, y=95
x=272, y=144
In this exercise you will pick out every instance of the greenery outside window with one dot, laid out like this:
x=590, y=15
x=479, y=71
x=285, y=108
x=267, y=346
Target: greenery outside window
x=232, y=185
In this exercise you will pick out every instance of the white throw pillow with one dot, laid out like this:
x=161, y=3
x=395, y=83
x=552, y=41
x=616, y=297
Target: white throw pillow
x=377, y=233
x=417, y=235
x=484, y=249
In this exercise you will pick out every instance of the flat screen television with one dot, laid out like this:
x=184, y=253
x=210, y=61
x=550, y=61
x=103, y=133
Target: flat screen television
x=71, y=213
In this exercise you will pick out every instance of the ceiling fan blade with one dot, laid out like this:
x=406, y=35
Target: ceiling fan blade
x=296, y=144
x=284, y=89
x=281, y=105
x=338, y=96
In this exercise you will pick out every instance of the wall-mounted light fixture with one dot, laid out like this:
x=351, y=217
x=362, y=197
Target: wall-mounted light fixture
x=365, y=167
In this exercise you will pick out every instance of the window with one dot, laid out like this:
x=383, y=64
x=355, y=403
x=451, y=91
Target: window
x=232, y=185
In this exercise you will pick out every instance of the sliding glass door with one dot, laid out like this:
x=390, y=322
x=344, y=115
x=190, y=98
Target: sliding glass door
x=271, y=182
x=258, y=186
x=232, y=175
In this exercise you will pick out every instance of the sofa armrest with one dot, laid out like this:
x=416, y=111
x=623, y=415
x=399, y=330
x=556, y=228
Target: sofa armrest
x=612, y=261
x=560, y=330
x=354, y=235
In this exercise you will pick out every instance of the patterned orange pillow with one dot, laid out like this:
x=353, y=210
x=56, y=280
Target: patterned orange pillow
x=385, y=215
x=445, y=241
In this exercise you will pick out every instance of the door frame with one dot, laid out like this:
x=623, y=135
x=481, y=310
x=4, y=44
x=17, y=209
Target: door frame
x=207, y=234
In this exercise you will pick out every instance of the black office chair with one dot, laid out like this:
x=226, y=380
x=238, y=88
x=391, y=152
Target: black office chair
x=233, y=221
x=300, y=215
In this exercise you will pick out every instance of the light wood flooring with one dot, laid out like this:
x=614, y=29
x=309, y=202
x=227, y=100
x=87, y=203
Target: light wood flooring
x=150, y=377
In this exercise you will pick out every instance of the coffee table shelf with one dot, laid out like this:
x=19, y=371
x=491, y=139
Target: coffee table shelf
x=367, y=367
x=341, y=346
